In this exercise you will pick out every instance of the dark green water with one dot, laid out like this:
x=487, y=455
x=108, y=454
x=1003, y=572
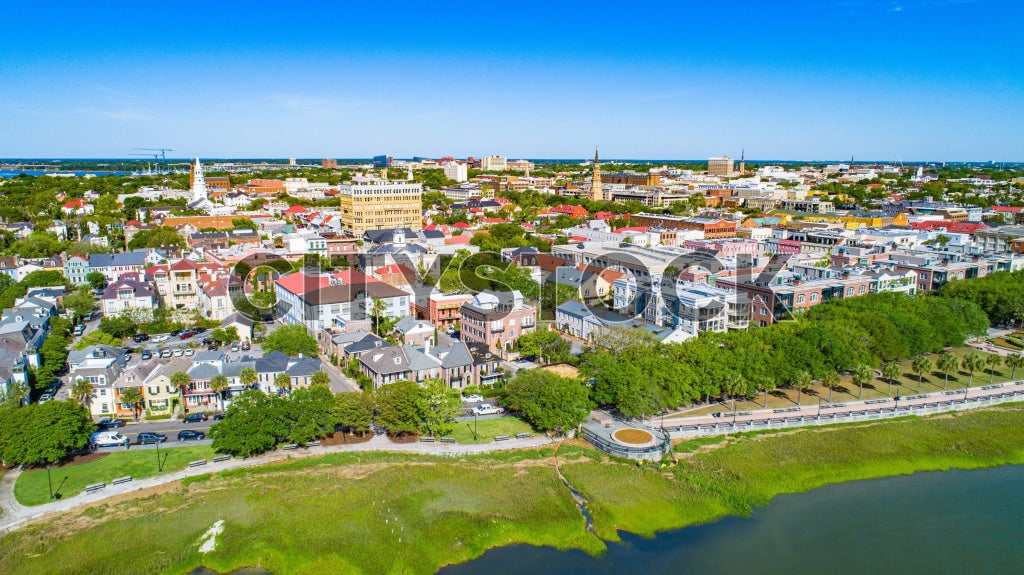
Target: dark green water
x=962, y=522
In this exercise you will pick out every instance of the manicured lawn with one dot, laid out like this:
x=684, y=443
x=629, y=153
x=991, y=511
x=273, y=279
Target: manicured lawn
x=399, y=513
x=488, y=429
x=32, y=488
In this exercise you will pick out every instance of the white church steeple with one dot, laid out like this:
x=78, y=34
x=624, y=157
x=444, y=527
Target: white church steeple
x=198, y=182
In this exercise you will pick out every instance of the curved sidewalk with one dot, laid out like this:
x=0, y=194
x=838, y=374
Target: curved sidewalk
x=15, y=514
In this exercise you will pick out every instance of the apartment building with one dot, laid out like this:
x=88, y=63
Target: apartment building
x=374, y=204
x=496, y=320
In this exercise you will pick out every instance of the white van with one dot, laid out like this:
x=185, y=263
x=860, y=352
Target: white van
x=107, y=439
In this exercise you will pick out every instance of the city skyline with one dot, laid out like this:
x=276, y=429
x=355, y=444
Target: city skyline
x=911, y=81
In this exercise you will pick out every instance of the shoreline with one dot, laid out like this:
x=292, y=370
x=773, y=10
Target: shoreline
x=436, y=496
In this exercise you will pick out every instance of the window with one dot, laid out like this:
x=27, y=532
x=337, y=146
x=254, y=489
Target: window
x=849, y=291
x=862, y=290
x=800, y=298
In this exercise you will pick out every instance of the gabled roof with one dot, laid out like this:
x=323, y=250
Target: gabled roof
x=304, y=367
x=202, y=371
x=299, y=283
x=273, y=362
x=409, y=324
x=452, y=354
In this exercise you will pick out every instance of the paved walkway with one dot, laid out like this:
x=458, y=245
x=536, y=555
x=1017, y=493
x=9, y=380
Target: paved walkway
x=15, y=514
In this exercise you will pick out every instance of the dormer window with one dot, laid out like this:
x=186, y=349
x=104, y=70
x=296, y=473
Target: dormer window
x=398, y=361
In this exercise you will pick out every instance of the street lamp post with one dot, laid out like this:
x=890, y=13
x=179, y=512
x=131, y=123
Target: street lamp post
x=159, y=463
x=819, y=407
x=474, y=425
x=49, y=481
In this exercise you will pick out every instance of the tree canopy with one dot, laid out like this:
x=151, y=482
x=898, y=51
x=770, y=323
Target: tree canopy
x=548, y=401
x=291, y=340
x=43, y=432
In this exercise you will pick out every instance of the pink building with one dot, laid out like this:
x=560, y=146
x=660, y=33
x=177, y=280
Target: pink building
x=497, y=319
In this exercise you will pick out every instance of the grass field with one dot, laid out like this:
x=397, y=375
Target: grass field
x=32, y=489
x=398, y=513
x=877, y=388
x=488, y=429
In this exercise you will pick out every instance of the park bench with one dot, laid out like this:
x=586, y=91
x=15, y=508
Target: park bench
x=121, y=480
x=94, y=487
x=427, y=440
x=447, y=440
x=290, y=446
x=313, y=443
x=522, y=435
x=197, y=463
x=221, y=458
x=501, y=438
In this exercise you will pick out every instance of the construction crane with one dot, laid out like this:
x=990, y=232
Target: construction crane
x=162, y=156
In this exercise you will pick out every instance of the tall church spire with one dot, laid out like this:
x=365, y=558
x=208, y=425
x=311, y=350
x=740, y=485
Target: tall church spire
x=198, y=182
x=596, y=193
x=743, y=162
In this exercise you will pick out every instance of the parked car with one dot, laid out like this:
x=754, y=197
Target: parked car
x=189, y=352
x=107, y=439
x=166, y=353
x=195, y=418
x=147, y=437
x=474, y=398
x=107, y=423
x=146, y=354
x=218, y=416
x=177, y=332
x=186, y=335
x=211, y=347
x=87, y=317
x=234, y=346
x=246, y=346
x=45, y=397
x=160, y=338
x=190, y=435
x=486, y=409
x=79, y=329
x=179, y=352
x=140, y=337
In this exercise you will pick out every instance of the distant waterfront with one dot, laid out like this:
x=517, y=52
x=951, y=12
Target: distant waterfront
x=936, y=522
x=13, y=173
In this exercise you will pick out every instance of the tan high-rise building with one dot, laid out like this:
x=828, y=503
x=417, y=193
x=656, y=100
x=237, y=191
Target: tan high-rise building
x=596, y=193
x=720, y=166
x=374, y=204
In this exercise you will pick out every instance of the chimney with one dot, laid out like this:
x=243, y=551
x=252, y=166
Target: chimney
x=426, y=345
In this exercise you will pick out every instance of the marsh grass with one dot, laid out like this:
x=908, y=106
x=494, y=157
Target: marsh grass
x=326, y=514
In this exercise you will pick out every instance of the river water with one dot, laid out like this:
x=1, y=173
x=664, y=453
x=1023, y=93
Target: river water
x=943, y=522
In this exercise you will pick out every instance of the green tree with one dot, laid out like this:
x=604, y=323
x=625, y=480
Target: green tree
x=81, y=391
x=291, y=340
x=548, y=401
x=158, y=237
x=830, y=381
x=947, y=364
x=862, y=374
x=219, y=384
x=377, y=309
x=283, y=382
x=247, y=376
x=251, y=426
x=97, y=337
x=971, y=363
x=96, y=280
x=14, y=395
x=440, y=405
x=355, y=410
x=181, y=380
x=1013, y=361
x=920, y=366
x=120, y=326
x=43, y=432
x=320, y=378
x=992, y=361
x=132, y=397
x=79, y=302
x=399, y=407
x=310, y=413
x=545, y=344
x=891, y=372
x=801, y=381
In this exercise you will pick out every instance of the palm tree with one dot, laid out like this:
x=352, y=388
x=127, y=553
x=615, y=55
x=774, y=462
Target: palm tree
x=767, y=387
x=321, y=377
x=283, y=381
x=248, y=376
x=920, y=366
x=82, y=391
x=180, y=380
x=862, y=374
x=830, y=381
x=219, y=383
x=947, y=364
x=892, y=371
x=377, y=307
x=801, y=380
x=1013, y=361
x=992, y=361
x=132, y=396
x=972, y=362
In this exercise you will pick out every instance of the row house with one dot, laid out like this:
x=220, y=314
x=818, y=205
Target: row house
x=113, y=266
x=935, y=270
x=450, y=361
x=76, y=267
x=101, y=366
x=690, y=307
x=779, y=296
x=440, y=309
x=496, y=320
x=320, y=301
x=129, y=295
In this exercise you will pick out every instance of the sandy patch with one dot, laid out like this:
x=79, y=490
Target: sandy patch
x=209, y=539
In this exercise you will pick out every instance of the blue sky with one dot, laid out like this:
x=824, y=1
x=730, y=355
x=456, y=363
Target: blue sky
x=911, y=80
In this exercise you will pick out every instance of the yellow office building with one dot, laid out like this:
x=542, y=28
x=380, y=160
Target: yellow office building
x=374, y=204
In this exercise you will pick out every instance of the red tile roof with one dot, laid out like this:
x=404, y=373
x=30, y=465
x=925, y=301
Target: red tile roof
x=952, y=227
x=299, y=283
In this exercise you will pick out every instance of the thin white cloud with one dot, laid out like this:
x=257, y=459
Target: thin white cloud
x=313, y=106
